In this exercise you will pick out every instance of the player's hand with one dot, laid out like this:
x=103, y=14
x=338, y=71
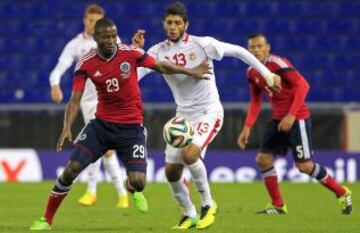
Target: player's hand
x=200, y=71
x=243, y=138
x=286, y=123
x=277, y=83
x=56, y=94
x=66, y=134
x=138, y=39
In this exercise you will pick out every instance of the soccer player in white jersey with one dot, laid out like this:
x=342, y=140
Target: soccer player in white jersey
x=73, y=51
x=198, y=101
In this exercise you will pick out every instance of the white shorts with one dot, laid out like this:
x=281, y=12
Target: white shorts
x=206, y=127
x=88, y=110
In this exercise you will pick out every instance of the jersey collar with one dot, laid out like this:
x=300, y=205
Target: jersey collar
x=107, y=59
x=183, y=40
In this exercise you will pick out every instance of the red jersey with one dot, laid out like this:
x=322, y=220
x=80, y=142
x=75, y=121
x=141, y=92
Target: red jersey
x=115, y=80
x=291, y=99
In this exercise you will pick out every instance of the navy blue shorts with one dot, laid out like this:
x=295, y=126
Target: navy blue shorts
x=98, y=136
x=298, y=139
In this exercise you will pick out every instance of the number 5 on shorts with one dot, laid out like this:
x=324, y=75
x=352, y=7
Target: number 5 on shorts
x=299, y=152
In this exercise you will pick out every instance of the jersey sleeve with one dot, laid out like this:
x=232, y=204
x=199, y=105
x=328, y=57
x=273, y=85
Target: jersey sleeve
x=141, y=71
x=66, y=59
x=143, y=59
x=231, y=50
x=301, y=86
x=80, y=76
x=212, y=47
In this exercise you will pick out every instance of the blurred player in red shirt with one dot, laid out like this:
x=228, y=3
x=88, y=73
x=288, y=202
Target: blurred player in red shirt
x=290, y=126
x=118, y=118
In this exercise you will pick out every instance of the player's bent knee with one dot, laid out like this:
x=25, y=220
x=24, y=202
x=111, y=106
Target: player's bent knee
x=173, y=172
x=190, y=154
x=305, y=167
x=264, y=161
x=72, y=170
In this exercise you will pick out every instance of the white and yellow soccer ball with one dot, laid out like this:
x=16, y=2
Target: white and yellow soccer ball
x=178, y=132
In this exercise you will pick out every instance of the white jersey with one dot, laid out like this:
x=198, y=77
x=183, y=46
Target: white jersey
x=194, y=97
x=73, y=51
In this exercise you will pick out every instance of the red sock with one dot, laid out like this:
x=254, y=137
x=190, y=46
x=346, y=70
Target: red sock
x=332, y=185
x=272, y=187
x=54, y=202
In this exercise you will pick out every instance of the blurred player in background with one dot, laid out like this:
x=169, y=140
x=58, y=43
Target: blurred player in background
x=290, y=127
x=73, y=51
x=197, y=101
x=118, y=118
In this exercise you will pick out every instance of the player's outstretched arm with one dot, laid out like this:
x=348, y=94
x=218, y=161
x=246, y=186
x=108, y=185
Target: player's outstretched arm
x=197, y=72
x=231, y=50
x=70, y=115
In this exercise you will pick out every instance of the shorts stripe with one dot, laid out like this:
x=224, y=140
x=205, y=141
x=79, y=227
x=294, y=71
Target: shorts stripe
x=212, y=134
x=137, y=161
x=304, y=139
x=84, y=149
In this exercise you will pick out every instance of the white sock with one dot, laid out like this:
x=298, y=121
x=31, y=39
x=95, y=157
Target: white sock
x=93, y=172
x=182, y=197
x=112, y=167
x=199, y=175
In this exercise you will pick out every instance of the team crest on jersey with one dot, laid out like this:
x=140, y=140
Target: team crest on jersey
x=125, y=69
x=192, y=56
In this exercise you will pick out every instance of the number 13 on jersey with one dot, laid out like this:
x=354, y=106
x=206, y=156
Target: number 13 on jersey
x=180, y=59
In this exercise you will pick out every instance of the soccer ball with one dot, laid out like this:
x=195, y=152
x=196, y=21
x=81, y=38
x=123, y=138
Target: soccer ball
x=178, y=132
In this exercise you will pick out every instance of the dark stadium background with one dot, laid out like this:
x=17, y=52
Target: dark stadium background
x=319, y=37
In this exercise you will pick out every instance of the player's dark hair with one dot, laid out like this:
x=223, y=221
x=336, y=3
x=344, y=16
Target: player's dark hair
x=94, y=9
x=252, y=36
x=177, y=8
x=103, y=23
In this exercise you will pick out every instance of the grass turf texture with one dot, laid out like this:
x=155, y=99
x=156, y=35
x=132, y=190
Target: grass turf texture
x=311, y=209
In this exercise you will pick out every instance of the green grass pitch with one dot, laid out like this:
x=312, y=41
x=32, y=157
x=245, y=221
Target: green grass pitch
x=311, y=209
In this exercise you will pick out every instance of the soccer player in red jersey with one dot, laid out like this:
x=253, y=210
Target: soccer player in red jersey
x=290, y=126
x=119, y=116
x=75, y=49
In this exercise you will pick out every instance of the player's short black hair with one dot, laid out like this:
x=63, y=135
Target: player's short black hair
x=177, y=8
x=252, y=36
x=104, y=22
